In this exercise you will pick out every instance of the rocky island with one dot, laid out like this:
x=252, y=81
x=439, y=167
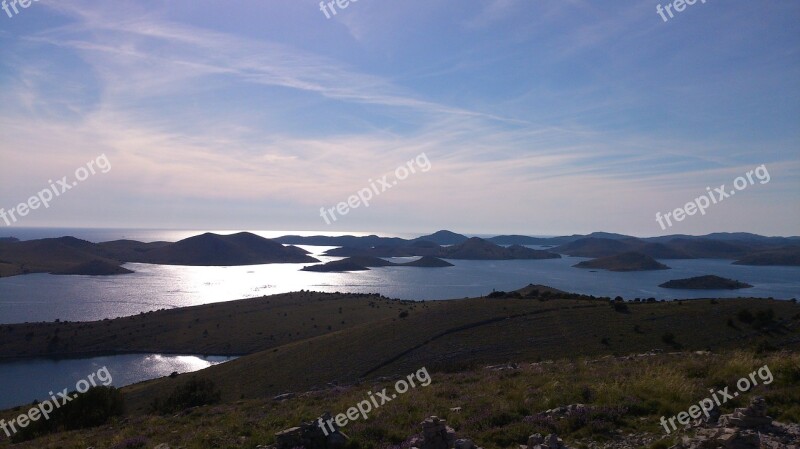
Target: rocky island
x=709, y=282
x=624, y=262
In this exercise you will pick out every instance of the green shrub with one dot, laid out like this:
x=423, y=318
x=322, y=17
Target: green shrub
x=93, y=408
x=194, y=393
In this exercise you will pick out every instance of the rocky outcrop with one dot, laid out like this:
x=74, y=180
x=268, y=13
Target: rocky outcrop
x=436, y=434
x=746, y=428
x=537, y=441
x=751, y=417
x=310, y=435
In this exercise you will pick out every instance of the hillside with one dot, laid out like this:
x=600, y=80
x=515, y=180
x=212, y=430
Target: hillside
x=471, y=249
x=443, y=237
x=608, y=402
x=788, y=256
x=363, y=263
x=94, y=268
x=227, y=328
x=337, y=266
x=480, y=249
x=594, y=247
x=68, y=255
x=49, y=255
x=210, y=249
x=324, y=368
x=428, y=262
x=343, y=240
x=466, y=333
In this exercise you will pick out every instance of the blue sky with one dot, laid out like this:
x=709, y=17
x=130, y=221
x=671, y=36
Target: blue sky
x=538, y=117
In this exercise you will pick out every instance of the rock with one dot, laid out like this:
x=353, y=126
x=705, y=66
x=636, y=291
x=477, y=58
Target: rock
x=337, y=440
x=311, y=435
x=289, y=438
x=552, y=441
x=162, y=446
x=750, y=417
x=535, y=439
x=416, y=441
x=464, y=444
x=283, y=397
x=436, y=434
x=713, y=415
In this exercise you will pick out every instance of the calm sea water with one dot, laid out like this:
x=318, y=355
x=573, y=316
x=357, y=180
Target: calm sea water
x=44, y=297
x=22, y=382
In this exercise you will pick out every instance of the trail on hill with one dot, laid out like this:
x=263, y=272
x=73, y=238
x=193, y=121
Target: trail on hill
x=464, y=327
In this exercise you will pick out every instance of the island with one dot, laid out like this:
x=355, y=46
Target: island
x=471, y=249
x=787, y=256
x=624, y=262
x=69, y=255
x=363, y=263
x=95, y=267
x=708, y=282
x=427, y=262
x=337, y=266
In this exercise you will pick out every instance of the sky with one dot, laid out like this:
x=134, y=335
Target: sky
x=544, y=117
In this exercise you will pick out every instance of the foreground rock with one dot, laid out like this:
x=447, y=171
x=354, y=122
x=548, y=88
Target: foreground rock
x=310, y=435
x=745, y=428
x=537, y=441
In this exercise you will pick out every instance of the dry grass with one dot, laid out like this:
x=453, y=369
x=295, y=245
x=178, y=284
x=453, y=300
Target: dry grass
x=498, y=408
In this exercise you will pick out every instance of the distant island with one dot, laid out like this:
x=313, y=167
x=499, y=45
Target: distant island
x=69, y=255
x=745, y=248
x=363, y=263
x=469, y=249
x=624, y=262
x=94, y=268
x=789, y=256
x=708, y=282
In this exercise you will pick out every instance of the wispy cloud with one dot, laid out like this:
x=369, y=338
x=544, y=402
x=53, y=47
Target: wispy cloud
x=539, y=111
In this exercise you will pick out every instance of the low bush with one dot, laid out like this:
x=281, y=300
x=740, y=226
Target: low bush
x=93, y=408
x=194, y=393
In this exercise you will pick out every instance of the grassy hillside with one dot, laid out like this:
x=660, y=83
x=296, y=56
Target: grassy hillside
x=462, y=334
x=625, y=397
x=228, y=328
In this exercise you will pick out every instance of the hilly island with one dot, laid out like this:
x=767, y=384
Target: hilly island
x=69, y=255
